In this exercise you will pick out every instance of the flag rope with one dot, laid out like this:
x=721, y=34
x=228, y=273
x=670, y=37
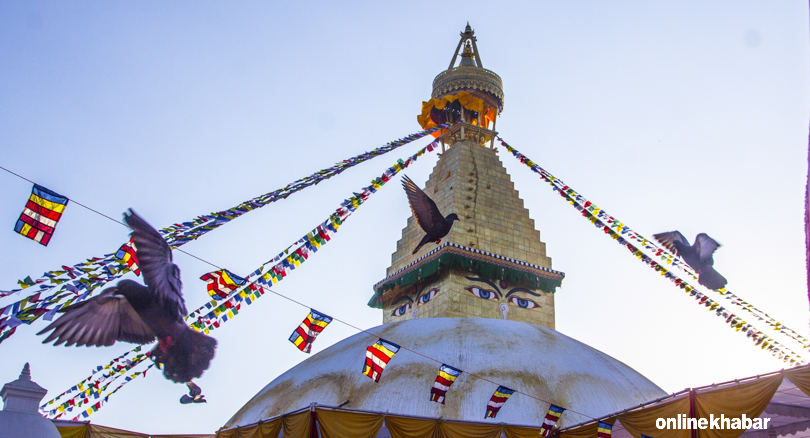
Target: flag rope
x=593, y=213
x=86, y=276
x=210, y=315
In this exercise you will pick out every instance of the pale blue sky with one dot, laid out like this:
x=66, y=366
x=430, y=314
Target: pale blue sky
x=678, y=115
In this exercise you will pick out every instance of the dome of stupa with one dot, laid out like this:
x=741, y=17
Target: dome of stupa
x=536, y=360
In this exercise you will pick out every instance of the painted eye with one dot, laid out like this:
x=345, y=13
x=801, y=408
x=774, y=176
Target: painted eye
x=524, y=303
x=482, y=293
x=427, y=296
x=401, y=310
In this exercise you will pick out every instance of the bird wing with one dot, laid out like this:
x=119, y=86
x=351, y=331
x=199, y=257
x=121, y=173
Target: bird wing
x=705, y=246
x=155, y=259
x=193, y=389
x=99, y=321
x=423, y=208
x=669, y=238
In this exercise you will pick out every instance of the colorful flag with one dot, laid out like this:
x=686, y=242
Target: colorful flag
x=554, y=413
x=222, y=283
x=447, y=375
x=41, y=214
x=305, y=334
x=128, y=254
x=377, y=357
x=500, y=397
x=604, y=430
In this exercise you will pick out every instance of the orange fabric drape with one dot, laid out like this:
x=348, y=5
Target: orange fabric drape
x=339, y=424
x=272, y=428
x=642, y=421
x=405, y=427
x=734, y=401
x=466, y=100
x=250, y=432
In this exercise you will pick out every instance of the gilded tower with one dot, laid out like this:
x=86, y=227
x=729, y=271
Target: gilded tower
x=493, y=263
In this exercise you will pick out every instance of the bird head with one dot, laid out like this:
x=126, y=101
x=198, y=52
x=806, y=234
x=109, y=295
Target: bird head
x=452, y=217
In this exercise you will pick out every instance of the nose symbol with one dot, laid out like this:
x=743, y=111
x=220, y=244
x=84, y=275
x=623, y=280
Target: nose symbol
x=504, y=309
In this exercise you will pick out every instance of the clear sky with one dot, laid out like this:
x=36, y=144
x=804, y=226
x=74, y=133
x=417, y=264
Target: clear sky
x=684, y=115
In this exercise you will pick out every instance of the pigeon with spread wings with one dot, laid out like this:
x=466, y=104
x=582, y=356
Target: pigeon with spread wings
x=698, y=255
x=194, y=394
x=427, y=215
x=131, y=312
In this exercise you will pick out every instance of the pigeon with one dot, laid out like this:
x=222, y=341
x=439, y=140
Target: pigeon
x=427, y=214
x=131, y=312
x=194, y=394
x=698, y=256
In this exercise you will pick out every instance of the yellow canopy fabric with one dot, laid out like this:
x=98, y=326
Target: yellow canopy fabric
x=72, y=431
x=469, y=430
x=642, y=421
x=521, y=432
x=801, y=378
x=586, y=431
x=297, y=425
x=406, y=427
x=339, y=424
x=734, y=401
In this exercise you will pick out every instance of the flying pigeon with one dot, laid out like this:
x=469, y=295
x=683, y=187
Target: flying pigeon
x=194, y=394
x=698, y=256
x=130, y=312
x=427, y=214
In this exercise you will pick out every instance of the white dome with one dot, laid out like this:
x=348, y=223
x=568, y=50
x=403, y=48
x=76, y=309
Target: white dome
x=529, y=358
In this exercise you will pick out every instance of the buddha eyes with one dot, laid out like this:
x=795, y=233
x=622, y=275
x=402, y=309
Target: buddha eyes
x=401, y=310
x=427, y=296
x=482, y=293
x=524, y=303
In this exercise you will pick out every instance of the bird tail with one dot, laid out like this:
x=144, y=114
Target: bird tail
x=185, y=354
x=421, y=244
x=711, y=278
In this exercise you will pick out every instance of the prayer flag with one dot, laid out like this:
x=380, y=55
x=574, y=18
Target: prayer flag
x=377, y=357
x=447, y=375
x=554, y=413
x=222, y=283
x=500, y=397
x=41, y=214
x=128, y=253
x=305, y=334
x=604, y=430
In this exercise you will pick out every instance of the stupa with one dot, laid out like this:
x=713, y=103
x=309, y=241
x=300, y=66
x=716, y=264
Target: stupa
x=482, y=300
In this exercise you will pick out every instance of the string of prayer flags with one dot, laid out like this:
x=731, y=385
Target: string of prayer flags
x=604, y=430
x=128, y=255
x=41, y=214
x=179, y=234
x=553, y=415
x=500, y=397
x=447, y=375
x=221, y=283
x=622, y=234
x=377, y=357
x=305, y=334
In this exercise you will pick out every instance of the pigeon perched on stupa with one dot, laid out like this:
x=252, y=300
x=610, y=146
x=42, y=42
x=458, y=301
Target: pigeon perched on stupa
x=697, y=255
x=131, y=312
x=194, y=394
x=427, y=214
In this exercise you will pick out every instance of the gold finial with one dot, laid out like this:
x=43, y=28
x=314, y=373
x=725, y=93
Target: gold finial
x=468, y=52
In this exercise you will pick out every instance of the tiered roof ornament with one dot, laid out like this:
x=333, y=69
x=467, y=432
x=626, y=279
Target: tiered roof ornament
x=468, y=95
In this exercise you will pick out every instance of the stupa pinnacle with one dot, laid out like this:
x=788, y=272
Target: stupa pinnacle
x=493, y=263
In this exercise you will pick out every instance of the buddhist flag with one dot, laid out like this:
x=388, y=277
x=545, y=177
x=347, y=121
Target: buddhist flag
x=554, y=413
x=377, y=357
x=128, y=254
x=447, y=375
x=41, y=214
x=604, y=430
x=305, y=334
x=222, y=283
x=500, y=397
